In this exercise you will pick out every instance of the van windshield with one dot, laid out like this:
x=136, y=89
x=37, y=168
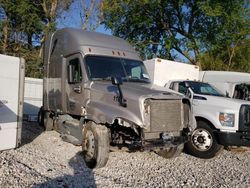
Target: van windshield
x=242, y=91
x=202, y=88
x=103, y=68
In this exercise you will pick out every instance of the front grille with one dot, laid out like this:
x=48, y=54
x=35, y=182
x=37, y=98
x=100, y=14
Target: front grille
x=244, y=118
x=166, y=115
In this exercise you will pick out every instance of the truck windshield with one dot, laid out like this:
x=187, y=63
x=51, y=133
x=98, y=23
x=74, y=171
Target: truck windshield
x=103, y=68
x=202, y=88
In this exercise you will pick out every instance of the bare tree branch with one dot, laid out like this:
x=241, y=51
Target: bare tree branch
x=92, y=14
x=184, y=54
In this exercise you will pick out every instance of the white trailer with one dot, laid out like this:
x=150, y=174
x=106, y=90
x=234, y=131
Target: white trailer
x=233, y=84
x=161, y=70
x=33, y=98
x=11, y=100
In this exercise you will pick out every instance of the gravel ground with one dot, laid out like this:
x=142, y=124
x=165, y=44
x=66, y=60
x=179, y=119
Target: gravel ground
x=44, y=160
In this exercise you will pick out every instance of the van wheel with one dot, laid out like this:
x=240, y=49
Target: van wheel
x=203, y=143
x=47, y=122
x=171, y=152
x=95, y=145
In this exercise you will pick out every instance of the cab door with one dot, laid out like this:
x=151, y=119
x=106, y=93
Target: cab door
x=74, y=84
x=181, y=88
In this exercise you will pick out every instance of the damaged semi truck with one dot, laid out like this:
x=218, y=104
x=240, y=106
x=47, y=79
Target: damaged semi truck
x=97, y=94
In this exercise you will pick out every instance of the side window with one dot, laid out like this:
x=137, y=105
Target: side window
x=174, y=86
x=74, y=71
x=182, y=88
x=136, y=72
x=171, y=85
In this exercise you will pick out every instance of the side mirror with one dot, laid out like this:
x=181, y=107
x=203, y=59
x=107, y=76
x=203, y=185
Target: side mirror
x=186, y=84
x=116, y=80
x=189, y=93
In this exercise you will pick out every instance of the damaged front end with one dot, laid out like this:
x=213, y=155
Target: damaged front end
x=167, y=124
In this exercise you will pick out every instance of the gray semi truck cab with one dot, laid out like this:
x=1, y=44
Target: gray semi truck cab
x=97, y=94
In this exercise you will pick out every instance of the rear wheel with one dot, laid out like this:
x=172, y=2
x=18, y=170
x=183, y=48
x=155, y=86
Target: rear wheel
x=171, y=152
x=203, y=143
x=95, y=145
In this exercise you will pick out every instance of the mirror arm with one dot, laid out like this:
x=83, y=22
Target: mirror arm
x=121, y=100
x=117, y=81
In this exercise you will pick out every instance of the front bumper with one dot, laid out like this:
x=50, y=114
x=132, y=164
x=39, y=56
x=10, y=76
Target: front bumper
x=153, y=144
x=233, y=139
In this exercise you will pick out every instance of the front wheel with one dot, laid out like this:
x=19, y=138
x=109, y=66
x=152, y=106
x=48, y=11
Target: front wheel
x=203, y=143
x=95, y=145
x=47, y=121
x=171, y=152
x=40, y=118
x=44, y=120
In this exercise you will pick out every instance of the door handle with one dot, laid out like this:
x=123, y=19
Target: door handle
x=78, y=89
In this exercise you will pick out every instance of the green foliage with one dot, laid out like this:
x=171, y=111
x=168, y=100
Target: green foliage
x=181, y=28
x=227, y=47
x=23, y=24
x=34, y=65
x=210, y=33
x=240, y=61
x=156, y=28
x=23, y=16
x=23, y=29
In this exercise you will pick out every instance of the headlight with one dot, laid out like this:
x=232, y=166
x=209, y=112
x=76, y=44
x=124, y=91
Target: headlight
x=226, y=119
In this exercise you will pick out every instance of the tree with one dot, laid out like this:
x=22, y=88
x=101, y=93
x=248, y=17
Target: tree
x=52, y=9
x=170, y=28
x=91, y=14
x=21, y=22
x=231, y=34
x=240, y=60
x=24, y=22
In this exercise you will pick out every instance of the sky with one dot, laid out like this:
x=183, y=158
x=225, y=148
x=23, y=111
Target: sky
x=71, y=18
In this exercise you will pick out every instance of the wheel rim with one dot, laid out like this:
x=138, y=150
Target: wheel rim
x=202, y=139
x=90, y=144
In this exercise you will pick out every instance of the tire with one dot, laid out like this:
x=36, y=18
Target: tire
x=47, y=121
x=40, y=118
x=203, y=143
x=171, y=152
x=95, y=145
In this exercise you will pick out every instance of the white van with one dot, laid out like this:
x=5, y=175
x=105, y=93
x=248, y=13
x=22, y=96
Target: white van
x=233, y=84
x=11, y=100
